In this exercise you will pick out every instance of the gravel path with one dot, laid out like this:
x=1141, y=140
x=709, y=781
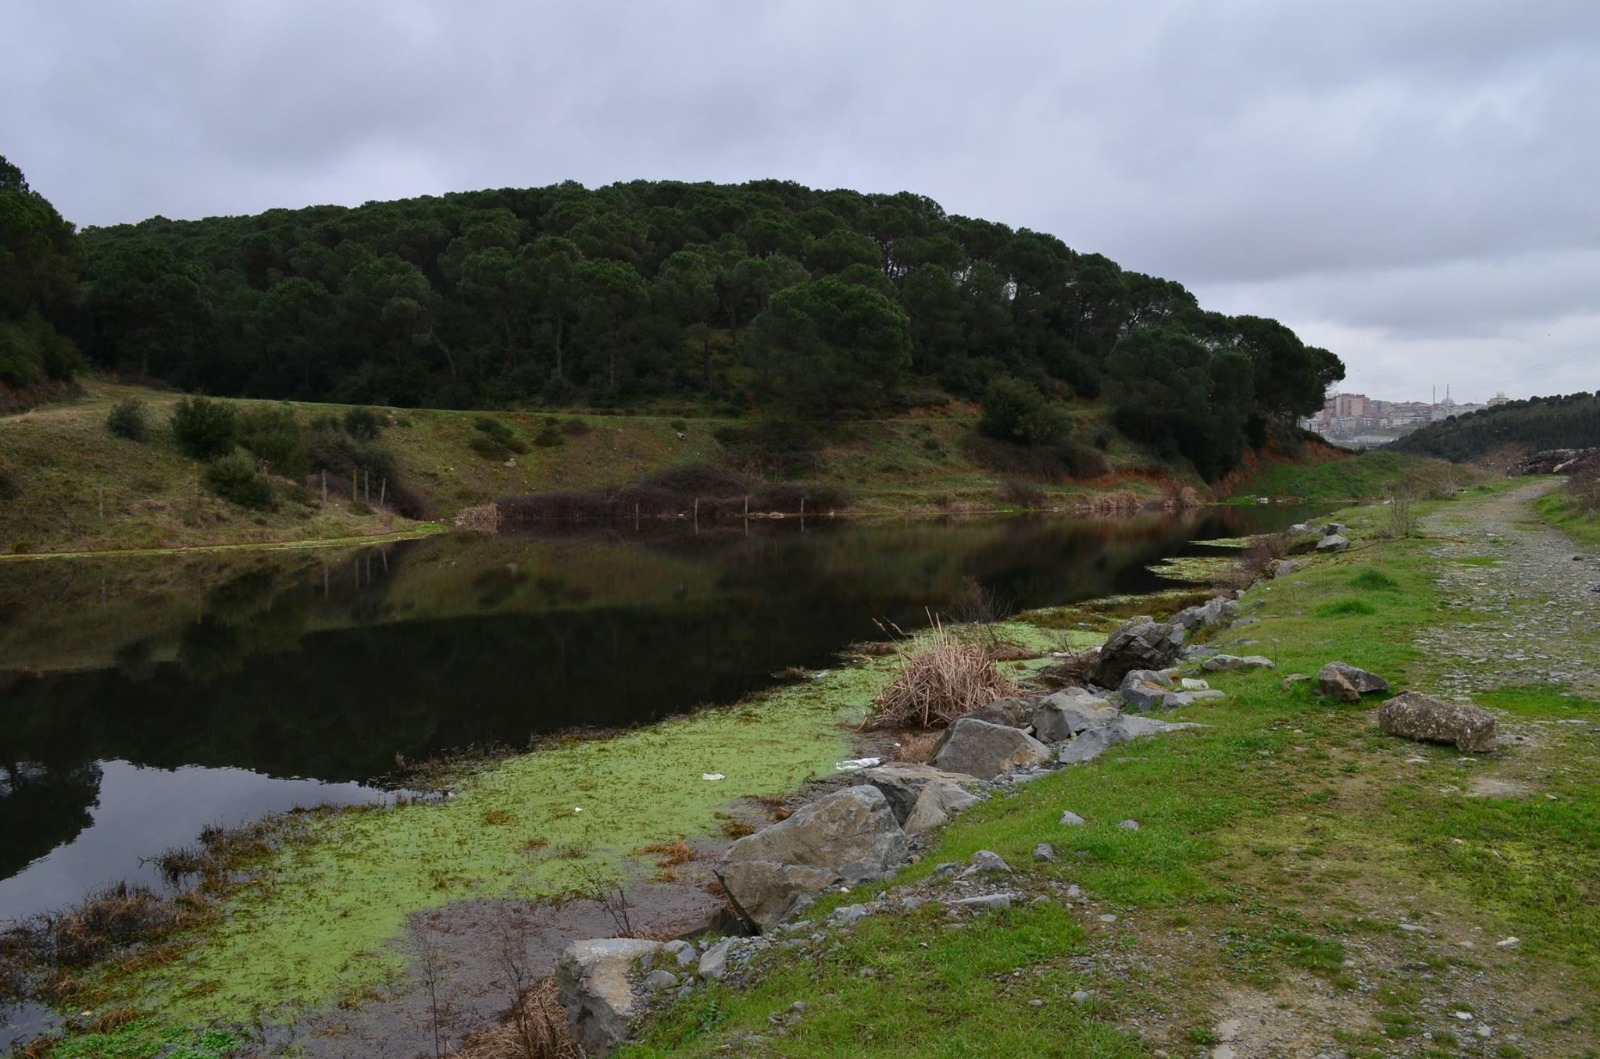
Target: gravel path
x=1532, y=616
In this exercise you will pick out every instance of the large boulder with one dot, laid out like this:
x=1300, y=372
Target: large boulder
x=902, y=783
x=1345, y=683
x=846, y=837
x=1335, y=542
x=985, y=750
x=1140, y=644
x=1064, y=714
x=1412, y=715
x=593, y=980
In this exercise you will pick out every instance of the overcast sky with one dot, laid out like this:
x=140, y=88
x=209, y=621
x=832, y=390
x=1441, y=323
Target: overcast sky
x=1414, y=184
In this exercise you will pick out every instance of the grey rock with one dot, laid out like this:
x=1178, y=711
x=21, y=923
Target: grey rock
x=1013, y=712
x=1148, y=695
x=714, y=961
x=1081, y=997
x=987, y=862
x=1062, y=716
x=681, y=952
x=937, y=803
x=902, y=783
x=985, y=901
x=592, y=981
x=1335, y=529
x=1090, y=744
x=1280, y=568
x=985, y=750
x=1228, y=663
x=1337, y=542
x=848, y=914
x=1140, y=644
x=1216, y=611
x=1132, y=726
x=1346, y=683
x=1071, y=819
x=845, y=837
x=1411, y=715
x=1129, y=825
x=1045, y=852
x=656, y=981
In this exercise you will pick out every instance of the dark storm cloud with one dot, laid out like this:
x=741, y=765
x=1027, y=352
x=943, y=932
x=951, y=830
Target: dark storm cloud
x=1397, y=177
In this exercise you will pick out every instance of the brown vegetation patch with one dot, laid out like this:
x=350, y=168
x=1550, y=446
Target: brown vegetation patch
x=670, y=854
x=535, y=1029
x=940, y=679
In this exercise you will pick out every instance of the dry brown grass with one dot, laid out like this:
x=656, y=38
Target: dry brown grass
x=941, y=679
x=670, y=854
x=1070, y=672
x=113, y=1020
x=536, y=1028
x=914, y=747
x=1110, y=505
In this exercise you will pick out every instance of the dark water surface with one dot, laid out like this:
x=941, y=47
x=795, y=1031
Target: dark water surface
x=141, y=699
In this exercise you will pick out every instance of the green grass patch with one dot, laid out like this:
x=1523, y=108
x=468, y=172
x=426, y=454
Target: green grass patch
x=916, y=984
x=1371, y=580
x=1345, y=608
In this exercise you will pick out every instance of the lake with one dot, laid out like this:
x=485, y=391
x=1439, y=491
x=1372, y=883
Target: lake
x=144, y=698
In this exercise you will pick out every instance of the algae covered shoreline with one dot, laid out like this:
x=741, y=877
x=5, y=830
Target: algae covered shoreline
x=314, y=916
x=318, y=920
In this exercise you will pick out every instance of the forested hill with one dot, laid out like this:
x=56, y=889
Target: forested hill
x=767, y=295
x=1538, y=423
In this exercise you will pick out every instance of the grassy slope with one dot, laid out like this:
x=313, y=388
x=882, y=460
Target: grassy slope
x=59, y=457
x=1273, y=844
x=1365, y=477
x=1572, y=516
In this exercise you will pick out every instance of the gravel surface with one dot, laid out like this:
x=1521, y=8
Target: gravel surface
x=1529, y=618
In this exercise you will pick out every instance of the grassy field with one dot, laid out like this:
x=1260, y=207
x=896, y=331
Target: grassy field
x=67, y=484
x=1285, y=858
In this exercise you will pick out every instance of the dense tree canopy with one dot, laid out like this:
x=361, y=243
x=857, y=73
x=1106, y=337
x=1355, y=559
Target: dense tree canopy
x=38, y=285
x=826, y=302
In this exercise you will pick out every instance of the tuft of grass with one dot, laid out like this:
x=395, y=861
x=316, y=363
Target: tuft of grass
x=1345, y=608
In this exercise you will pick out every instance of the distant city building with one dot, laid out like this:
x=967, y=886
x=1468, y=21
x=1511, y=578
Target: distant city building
x=1355, y=420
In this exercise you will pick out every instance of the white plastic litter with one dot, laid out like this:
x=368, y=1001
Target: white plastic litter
x=712, y=776
x=858, y=763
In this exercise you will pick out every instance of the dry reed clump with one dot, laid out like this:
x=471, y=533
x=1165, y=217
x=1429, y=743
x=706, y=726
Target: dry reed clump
x=1110, y=505
x=1181, y=497
x=941, y=679
x=536, y=1028
x=482, y=519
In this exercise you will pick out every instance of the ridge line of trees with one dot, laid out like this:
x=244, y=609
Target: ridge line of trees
x=766, y=295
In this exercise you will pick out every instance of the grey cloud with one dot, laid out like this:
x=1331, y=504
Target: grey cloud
x=1396, y=172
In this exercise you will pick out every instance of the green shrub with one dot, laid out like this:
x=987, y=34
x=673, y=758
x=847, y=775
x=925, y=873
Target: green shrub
x=495, y=439
x=362, y=423
x=1017, y=412
x=204, y=429
x=274, y=436
x=238, y=480
x=126, y=420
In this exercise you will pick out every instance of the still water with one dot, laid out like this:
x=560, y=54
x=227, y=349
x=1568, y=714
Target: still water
x=142, y=699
